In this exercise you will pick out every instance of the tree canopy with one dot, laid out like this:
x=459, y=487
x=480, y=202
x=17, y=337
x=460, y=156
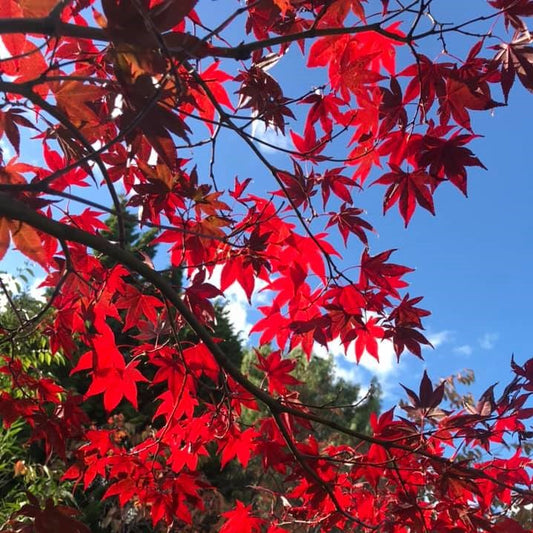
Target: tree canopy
x=163, y=103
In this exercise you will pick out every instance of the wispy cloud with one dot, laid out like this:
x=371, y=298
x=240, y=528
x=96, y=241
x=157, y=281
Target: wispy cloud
x=4, y=52
x=347, y=368
x=11, y=286
x=16, y=286
x=237, y=303
x=36, y=291
x=7, y=150
x=386, y=369
x=382, y=368
x=439, y=337
x=348, y=371
x=488, y=341
x=464, y=349
x=269, y=138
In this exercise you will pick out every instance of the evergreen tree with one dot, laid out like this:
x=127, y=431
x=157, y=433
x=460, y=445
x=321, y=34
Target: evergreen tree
x=320, y=389
x=336, y=399
x=22, y=468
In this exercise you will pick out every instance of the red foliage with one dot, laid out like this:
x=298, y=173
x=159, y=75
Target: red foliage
x=117, y=99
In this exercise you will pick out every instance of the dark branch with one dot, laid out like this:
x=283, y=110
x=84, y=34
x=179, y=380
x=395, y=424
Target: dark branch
x=14, y=209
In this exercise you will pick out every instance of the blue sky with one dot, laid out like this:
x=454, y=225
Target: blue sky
x=472, y=260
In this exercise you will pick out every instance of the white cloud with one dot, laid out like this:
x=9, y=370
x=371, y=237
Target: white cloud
x=270, y=136
x=488, y=341
x=15, y=287
x=7, y=150
x=11, y=286
x=4, y=52
x=36, y=291
x=351, y=374
x=439, y=337
x=237, y=303
x=238, y=308
x=321, y=351
x=464, y=349
x=386, y=365
x=386, y=369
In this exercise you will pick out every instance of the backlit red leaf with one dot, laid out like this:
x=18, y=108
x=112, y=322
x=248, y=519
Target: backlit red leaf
x=407, y=189
x=27, y=241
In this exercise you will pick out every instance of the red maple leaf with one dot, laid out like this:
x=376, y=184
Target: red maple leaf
x=115, y=384
x=516, y=59
x=427, y=397
x=324, y=50
x=382, y=274
x=366, y=338
x=325, y=110
x=309, y=147
x=406, y=314
x=349, y=221
x=198, y=297
x=238, y=444
x=428, y=81
x=241, y=520
x=355, y=72
x=52, y=518
x=9, y=123
x=446, y=158
x=298, y=187
x=406, y=337
x=110, y=374
x=261, y=92
x=407, y=189
x=392, y=110
x=512, y=11
x=277, y=371
x=137, y=304
x=338, y=10
x=332, y=181
x=461, y=96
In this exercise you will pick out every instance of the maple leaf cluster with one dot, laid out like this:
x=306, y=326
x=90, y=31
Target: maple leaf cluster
x=134, y=98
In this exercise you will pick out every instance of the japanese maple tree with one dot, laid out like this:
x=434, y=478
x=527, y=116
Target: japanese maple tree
x=139, y=98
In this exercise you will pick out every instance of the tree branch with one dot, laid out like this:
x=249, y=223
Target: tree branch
x=55, y=28
x=14, y=209
x=52, y=27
